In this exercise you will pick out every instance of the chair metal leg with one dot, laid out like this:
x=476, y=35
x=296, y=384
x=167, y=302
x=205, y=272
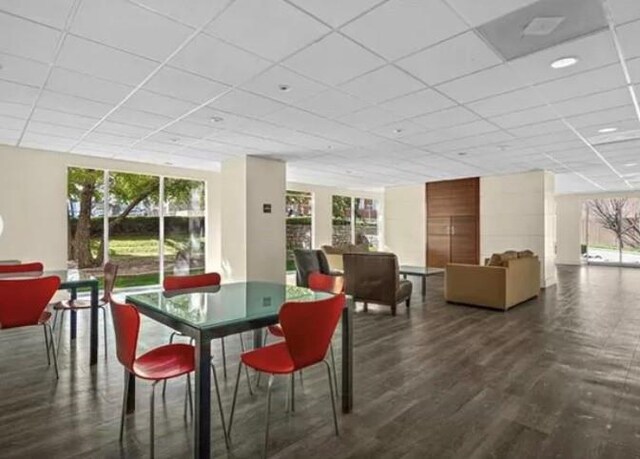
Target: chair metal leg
x=224, y=427
x=266, y=430
x=188, y=400
x=152, y=420
x=104, y=329
x=61, y=327
x=124, y=403
x=55, y=318
x=293, y=392
x=246, y=369
x=235, y=396
x=333, y=365
x=53, y=351
x=164, y=383
x=46, y=343
x=224, y=359
x=333, y=401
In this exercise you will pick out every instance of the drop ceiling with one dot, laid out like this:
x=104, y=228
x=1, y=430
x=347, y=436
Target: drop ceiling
x=364, y=93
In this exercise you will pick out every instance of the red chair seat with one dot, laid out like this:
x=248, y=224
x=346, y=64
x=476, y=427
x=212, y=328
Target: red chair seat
x=72, y=304
x=44, y=317
x=276, y=330
x=274, y=359
x=164, y=362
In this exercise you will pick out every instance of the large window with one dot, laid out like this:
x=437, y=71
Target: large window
x=611, y=231
x=298, y=208
x=355, y=221
x=149, y=225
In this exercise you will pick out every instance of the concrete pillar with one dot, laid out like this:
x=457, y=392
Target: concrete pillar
x=253, y=219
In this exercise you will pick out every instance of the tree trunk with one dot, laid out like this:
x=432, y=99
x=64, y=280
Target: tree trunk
x=82, y=238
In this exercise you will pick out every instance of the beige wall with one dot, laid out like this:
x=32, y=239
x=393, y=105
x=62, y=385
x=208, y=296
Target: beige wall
x=322, y=208
x=518, y=212
x=405, y=223
x=33, y=190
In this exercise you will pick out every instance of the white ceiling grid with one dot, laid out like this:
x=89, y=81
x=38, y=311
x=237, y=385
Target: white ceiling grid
x=379, y=92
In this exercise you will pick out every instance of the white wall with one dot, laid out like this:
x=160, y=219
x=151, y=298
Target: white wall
x=405, y=223
x=322, y=208
x=517, y=212
x=33, y=192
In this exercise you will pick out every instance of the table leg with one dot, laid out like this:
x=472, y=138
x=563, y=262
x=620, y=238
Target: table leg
x=73, y=323
x=404, y=276
x=347, y=358
x=424, y=285
x=130, y=384
x=257, y=338
x=93, y=338
x=202, y=421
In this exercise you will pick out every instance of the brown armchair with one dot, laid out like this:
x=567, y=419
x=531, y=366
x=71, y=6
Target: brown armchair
x=374, y=278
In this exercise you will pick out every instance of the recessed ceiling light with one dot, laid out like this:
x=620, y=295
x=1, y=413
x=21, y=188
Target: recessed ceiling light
x=174, y=139
x=606, y=130
x=168, y=163
x=631, y=165
x=462, y=153
x=564, y=62
x=397, y=131
x=284, y=88
x=216, y=119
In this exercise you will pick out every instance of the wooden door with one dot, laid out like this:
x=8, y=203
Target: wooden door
x=464, y=239
x=438, y=241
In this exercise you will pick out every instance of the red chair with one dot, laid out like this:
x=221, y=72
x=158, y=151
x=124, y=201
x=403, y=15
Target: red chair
x=199, y=281
x=23, y=303
x=159, y=364
x=110, y=275
x=308, y=328
x=35, y=267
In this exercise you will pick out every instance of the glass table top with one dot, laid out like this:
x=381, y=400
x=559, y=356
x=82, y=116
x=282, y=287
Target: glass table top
x=224, y=305
x=67, y=276
x=419, y=270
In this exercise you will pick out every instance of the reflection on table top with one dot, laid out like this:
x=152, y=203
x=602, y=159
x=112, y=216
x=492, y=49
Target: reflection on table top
x=224, y=305
x=67, y=276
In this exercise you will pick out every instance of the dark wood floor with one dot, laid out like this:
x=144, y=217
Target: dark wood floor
x=555, y=377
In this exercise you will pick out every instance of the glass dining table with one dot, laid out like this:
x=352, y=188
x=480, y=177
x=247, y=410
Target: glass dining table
x=214, y=312
x=73, y=280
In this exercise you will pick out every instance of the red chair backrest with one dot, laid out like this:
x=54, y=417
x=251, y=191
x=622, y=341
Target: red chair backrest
x=22, y=268
x=308, y=328
x=193, y=281
x=22, y=301
x=325, y=282
x=126, y=324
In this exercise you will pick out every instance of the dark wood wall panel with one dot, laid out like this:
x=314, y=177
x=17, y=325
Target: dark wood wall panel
x=453, y=222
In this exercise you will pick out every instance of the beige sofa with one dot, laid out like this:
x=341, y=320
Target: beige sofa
x=514, y=281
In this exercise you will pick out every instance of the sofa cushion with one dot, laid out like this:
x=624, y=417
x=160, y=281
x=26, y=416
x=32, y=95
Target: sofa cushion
x=525, y=254
x=495, y=260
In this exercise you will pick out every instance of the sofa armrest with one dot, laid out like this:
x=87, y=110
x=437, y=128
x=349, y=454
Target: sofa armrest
x=476, y=285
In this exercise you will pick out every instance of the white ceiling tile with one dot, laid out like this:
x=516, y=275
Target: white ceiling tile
x=331, y=103
x=624, y=10
x=26, y=39
x=247, y=104
x=369, y=118
x=604, y=117
x=524, y=117
x=125, y=130
x=198, y=13
x=183, y=85
x=489, y=82
x=271, y=28
x=17, y=93
x=204, y=55
x=634, y=69
x=336, y=12
x=593, y=102
x=46, y=142
x=188, y=129
x=270, y=84
x=9, y=136
x=621, y=125
x=23, y=71
x=398, y=130
x=451, y=59
x=127, y=26
x=629, y=35
x=105, y=139
x=102, y=61
x=63, y=119
x=593, y=51
x=81, y=85
x=11, y=123
x=52, y=12
x=478, y=13
x=382, y=84
x=54, y=130
x=513, y=101
x=446, y=118
x=155, y=103
x=540, y=129
x=334, y=60
x=417, y=103
x=14, y=110
x=582, y=84
x=138, y=118
x=400, y=27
